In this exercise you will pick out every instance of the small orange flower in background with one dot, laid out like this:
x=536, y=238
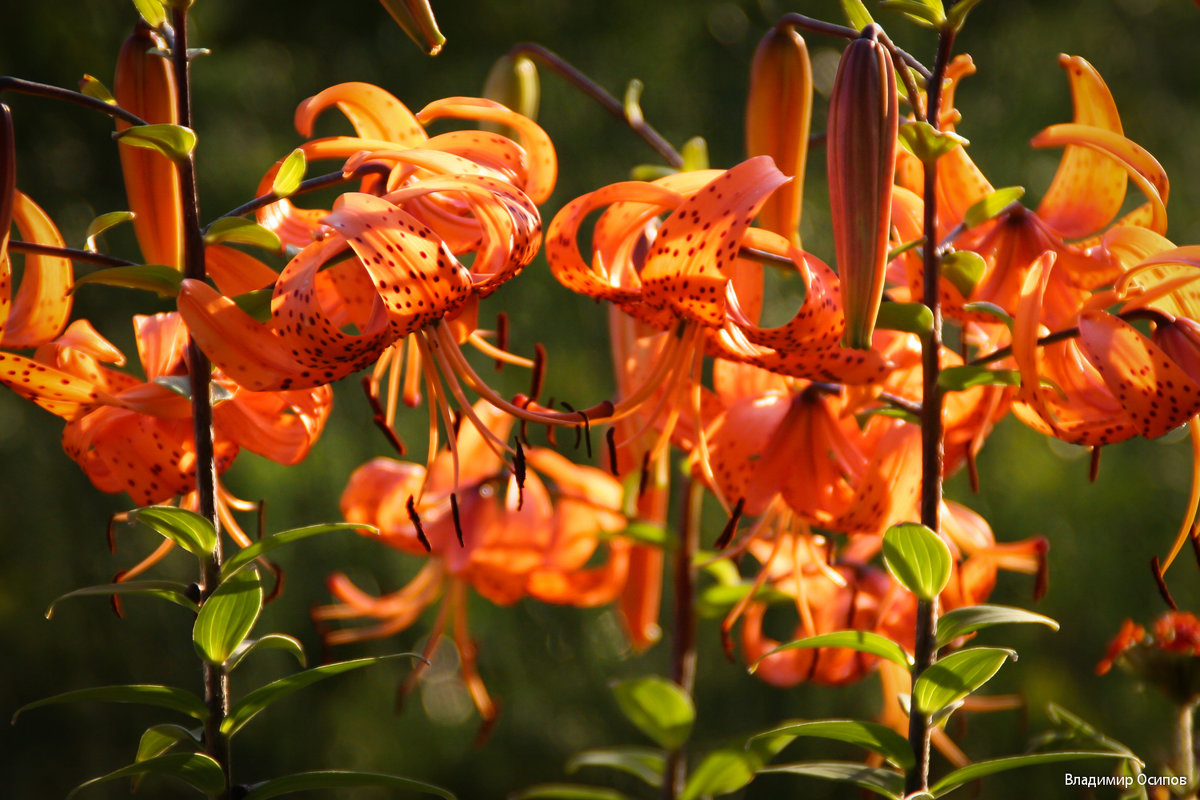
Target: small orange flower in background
x=1167, y=657
x=508, y=533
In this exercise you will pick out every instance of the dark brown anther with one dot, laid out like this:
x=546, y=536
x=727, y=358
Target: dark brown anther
x=644, y=475
x=538, y=379
x=115, y=600
x=1041, y=581
x=455, y=423
x=578, y=430
x=457, y=521
x=519, y=473
x=276, y=571
x=411, y=507
x=1094, y=470
x=610, y=438
x=1161, y=583
x=111, y=534
x=501, y=336
x=731, y=526
x=379, y=417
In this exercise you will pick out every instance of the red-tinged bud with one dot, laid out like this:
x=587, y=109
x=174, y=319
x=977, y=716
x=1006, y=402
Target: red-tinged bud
x=417, y=20
x=778, y=119
x=863, y=120
x=145, y=85
x=1180, y=340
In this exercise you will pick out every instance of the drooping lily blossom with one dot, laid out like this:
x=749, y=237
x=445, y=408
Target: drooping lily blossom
x=485, y=529
x=42, y=305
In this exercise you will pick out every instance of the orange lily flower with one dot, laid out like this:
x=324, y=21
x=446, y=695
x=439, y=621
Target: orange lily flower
x=482, y=526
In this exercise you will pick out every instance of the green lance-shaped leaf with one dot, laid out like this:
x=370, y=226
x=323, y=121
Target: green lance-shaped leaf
x=968, y=376
x=271, y=641
x=856, y=14
x=718, y=600
x=174, y=141
x=901, y=249
x=198, y=770
x=227, y=616
x=862, y=641
x=927, y=143
x=981, y=769
x=917, y=558
x=256, y=303
x=242, y=231
x=871, y=735
x=168, y=697
x=964, y=269
x=247, y=555
x=721, y=772
x=158, y=739
x=883, y=782
x=991, y=309
x=566, y=791
x=659, y=708
x=908, y=317
x=957, y=15
x=248, y=707
x=290, y=174
x=991, y=205
x=186, y=528
x=962, y=621
x=152, y=11
x=174, y=591
x=182, y=386
x=640, y=531
x=339, y=779
x=651, y=172
x=94, y=88
x=164, y=281
x=926, y=13
x=952, y=678
x=645, y=763
x=101, y=224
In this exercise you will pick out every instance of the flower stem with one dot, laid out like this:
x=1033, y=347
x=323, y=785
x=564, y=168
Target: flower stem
x=830, y=29
x=932, y=435
x=33, y=248
x=606, y=101
x=216, y=677
x=10, y=84
x=1185, y=752
x=308, y=185
x=683, y=635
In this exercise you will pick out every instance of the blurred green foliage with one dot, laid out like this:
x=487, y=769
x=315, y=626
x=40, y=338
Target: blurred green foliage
x=549, y=667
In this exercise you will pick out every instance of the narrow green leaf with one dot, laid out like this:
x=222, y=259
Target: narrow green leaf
x=158, y=739
x=695, y=154
x=566, y=791
x=227, y=616
x=186, y=528
x=958, y=12
x=967, y=376
x=247, y=555
x=173, y=141
x=151, y=11
x=102, y=223
x=248, y=707
x=659, y=708
x=290, y=174
x=964, y=269
x=927, y=13
x=718, y=600
x=900, y=250
x=164, y=281
x=168, y=697
x=256, y=303
x=199, y=771
x=990, y=206
x=271, y=641
x=242, y=231
x=182, y=386
x=862, y=641
x=1079, y=728
x=982, y=769
x=174, y=591
x=337, y=779
x=645, y=763
x=908, y=317
x=721, y=772
x=651, y=172
x=871, y=735
x=954, y=677
x=917, y=558
x=962, y=621
x=93, y=87
x=927, y=143
x=856, y=14
x=880, y=781
x=643, y=532
x=981, y=307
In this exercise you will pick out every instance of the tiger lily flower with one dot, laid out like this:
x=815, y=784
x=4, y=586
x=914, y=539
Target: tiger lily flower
x=42, y=305
x=485, y=530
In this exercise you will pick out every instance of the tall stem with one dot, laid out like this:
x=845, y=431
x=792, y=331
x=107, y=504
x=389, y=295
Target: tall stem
x=1185, y=752
x=683, y=634
x=216, y=678
x=932, y=438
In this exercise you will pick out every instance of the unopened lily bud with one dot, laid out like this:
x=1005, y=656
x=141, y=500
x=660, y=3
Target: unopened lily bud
x=1180, y=340
x=145, y=85
x=513, y=82
x=778, y=119
x=861, y=150
x=417, y=20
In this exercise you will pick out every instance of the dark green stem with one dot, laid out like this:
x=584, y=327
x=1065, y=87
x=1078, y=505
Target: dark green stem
x=932, y=438
x=33, y=248
x=683, y=634
x=9, y=84
x=606, y=101
x=841, y=31
x=1185, y=752
x=1068, y=333
x=309, y=185
x=216, y=678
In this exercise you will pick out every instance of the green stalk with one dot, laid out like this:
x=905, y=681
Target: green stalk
x=683, y=634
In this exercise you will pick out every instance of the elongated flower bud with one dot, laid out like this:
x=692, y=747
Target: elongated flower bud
x=861, y=149
x=512, y=82
x=145, y=85
x=778, y=118
x=417, y=20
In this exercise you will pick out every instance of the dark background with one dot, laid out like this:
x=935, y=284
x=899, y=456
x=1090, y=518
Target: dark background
x=548, y=667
